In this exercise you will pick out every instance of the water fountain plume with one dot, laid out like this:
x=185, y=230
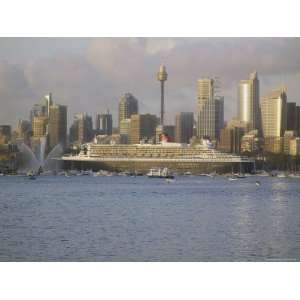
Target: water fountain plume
x=29, y=161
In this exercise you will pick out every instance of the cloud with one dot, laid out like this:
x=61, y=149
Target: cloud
x=91, y=74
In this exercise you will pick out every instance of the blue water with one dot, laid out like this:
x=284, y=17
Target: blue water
x=85, y=218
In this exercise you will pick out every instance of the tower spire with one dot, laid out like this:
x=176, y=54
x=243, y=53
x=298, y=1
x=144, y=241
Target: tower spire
x=162, y=77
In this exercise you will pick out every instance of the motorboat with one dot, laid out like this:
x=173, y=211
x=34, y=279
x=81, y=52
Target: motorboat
x=160, y=173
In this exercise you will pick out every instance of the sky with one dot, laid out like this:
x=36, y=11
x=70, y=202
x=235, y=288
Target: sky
x=91, y=74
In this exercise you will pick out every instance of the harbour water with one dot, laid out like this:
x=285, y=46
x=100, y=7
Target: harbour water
x=120, y=218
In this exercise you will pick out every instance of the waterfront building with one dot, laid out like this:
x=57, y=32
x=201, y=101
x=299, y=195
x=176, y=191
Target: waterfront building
x=128, y=106
x=231, y=136
x=162, y=76
x=273, y=111
x=295, y=146
x=248, y=101
x=206, y=109
x=288, y=136
x=81, y=130
x=231, y=139
x=251, y=142
x=104, y=124
x=57, y=125
x=142, y=127
x=184, y=123
x=273, y=144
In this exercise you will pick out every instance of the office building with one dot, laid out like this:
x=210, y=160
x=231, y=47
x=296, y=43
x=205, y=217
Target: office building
x=248, y=101
x=57, y=125
x=295, y=146
x=39, y=126
x=24, y=131
x=219, y=103
x=206, y=110
x=5, y=134
x=273, y=111
x=42, y=108
x=81, y=130
x=184, y=123
x=231, y=136
x=104, y=124
x=125, y=130
x=288, y=136
x=251, y=142
x=128, y=106
x=298, y=120
x=142, y=128
x=291, y=115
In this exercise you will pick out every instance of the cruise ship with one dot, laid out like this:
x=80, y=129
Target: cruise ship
x=177, y=157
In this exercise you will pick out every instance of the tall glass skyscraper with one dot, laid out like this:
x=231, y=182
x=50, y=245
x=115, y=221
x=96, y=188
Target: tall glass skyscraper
x=206, y=108
x=248, y=101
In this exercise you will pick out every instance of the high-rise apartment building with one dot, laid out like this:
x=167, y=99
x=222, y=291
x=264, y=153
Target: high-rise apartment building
x=206, y=109
x=184, y=123
x=128, y=106
x=104, y=124
x=57, y=125
x=142, y=127
x=248, y=101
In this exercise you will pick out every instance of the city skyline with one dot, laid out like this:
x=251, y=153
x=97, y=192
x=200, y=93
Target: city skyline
x=97, y=71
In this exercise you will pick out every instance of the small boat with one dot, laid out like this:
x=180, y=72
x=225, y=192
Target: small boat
x=31, y=177
x=292, y=175
x=160, y=173
x=281, y=175
x=232, y=178
x=240, y=176
x=258, y=183
x=169, y=180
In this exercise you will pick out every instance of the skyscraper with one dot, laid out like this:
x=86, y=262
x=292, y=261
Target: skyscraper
x=57, y=125
x=184, y=123
x=104, y=123
x=248, y=101
x=142, y=127
x=39, y=126
x=273, y=111
x=162, y=76
x=291, y=116
x=42, y=108
x=206, y=110
x=128, y=105
x=219, y=102
x=81, y=130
